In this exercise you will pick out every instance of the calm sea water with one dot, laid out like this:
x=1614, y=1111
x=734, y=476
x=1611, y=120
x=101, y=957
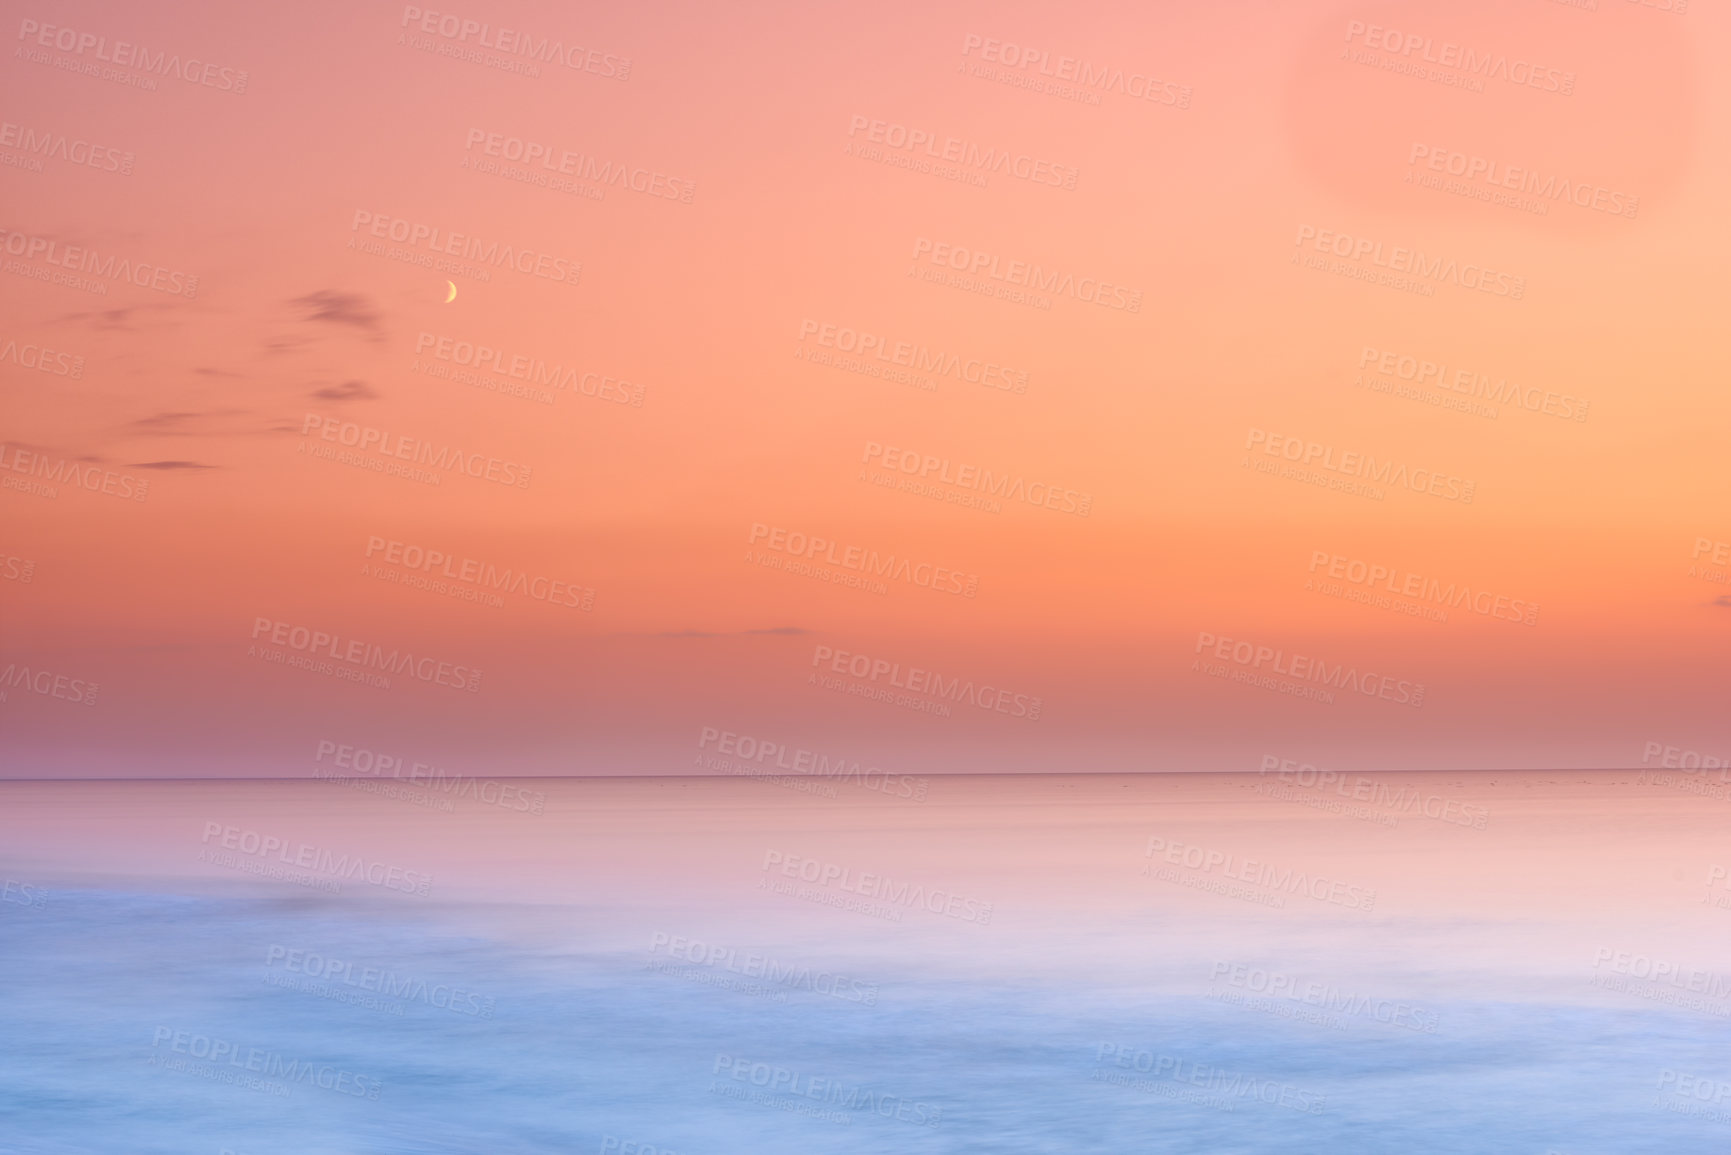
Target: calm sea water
x=165, y=1023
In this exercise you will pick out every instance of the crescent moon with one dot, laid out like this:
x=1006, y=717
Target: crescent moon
x=451, y=295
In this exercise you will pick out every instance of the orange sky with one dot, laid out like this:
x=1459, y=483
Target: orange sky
x=1241, y=177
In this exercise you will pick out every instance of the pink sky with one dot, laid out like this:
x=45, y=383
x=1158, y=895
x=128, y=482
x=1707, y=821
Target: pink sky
x=1435, y=250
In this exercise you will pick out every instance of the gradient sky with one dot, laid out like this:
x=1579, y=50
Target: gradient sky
x=1275, y=129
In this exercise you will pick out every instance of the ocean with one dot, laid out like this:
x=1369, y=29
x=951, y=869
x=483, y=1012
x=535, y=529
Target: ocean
x=193, y=1007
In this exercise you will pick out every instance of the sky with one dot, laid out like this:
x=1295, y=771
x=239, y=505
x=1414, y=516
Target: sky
x=548, y=389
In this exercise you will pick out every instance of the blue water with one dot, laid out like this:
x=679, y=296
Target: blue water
x=554, y=1050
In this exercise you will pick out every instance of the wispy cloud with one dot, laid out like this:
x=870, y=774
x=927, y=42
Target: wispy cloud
x=342, y=309
x=780, y=631
x=186, y=423
x=347, y=391
x=120, y=318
